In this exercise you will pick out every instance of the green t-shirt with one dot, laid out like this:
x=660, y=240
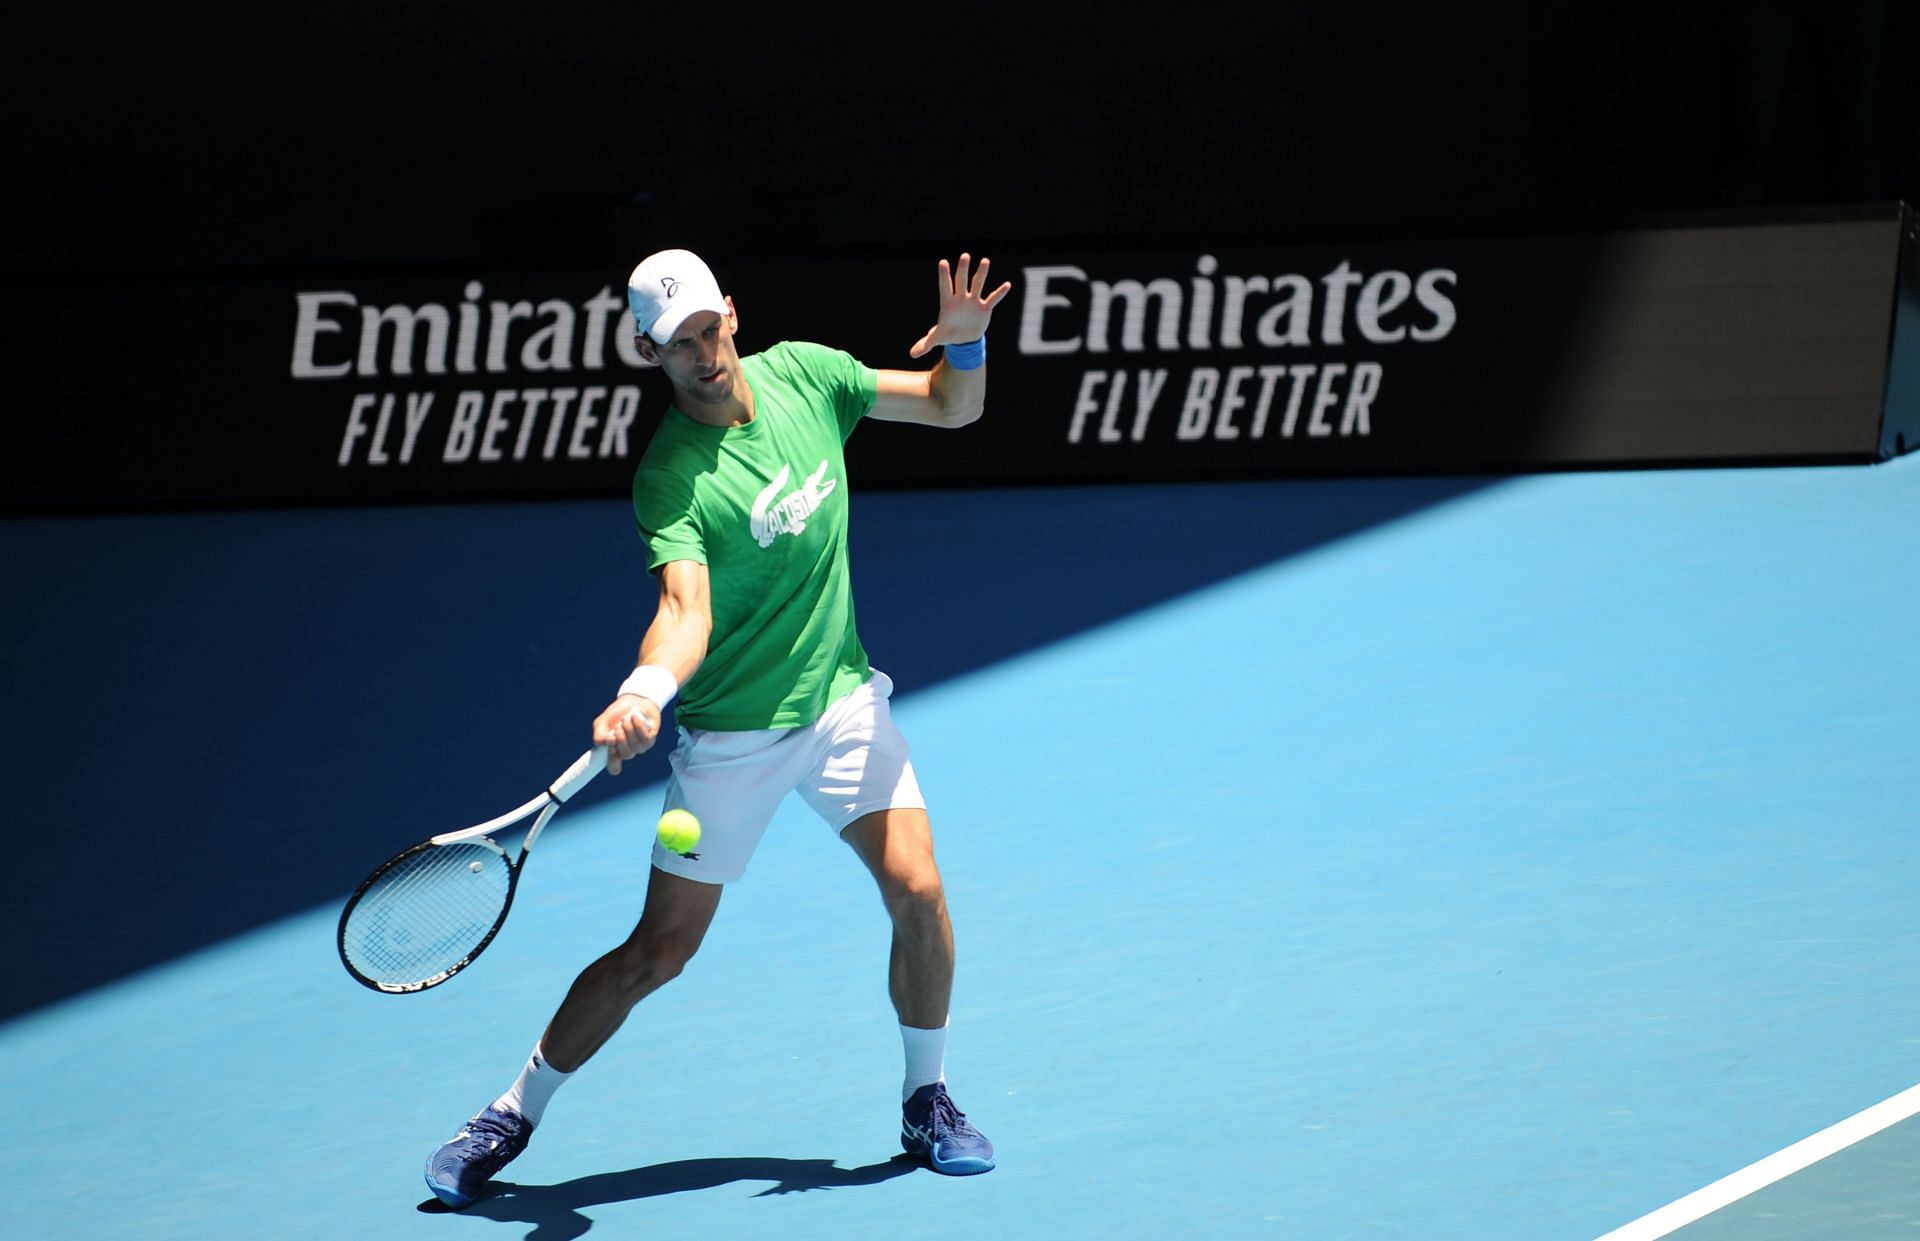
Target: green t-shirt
x=764, y=506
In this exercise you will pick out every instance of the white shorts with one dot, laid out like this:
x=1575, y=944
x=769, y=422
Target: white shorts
x=850, y=762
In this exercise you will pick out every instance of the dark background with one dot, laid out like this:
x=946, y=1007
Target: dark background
x=156, y=141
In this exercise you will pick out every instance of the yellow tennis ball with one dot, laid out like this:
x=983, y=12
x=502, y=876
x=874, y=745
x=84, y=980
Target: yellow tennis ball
x=680, y=832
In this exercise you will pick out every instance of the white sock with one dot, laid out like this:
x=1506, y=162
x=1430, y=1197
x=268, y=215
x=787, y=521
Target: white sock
x=533, y=1089
x=926, y=1058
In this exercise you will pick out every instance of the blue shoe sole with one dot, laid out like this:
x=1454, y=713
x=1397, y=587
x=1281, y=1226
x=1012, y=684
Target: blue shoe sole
x=448, y=1194
x=965, y=1165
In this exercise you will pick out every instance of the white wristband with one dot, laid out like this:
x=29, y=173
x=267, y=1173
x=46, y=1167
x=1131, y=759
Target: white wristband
x=653, y=683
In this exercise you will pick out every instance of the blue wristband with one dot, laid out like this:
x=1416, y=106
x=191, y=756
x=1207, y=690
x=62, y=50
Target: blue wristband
x=970, y=356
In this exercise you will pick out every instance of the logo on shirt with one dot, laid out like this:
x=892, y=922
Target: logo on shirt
x=789, y=515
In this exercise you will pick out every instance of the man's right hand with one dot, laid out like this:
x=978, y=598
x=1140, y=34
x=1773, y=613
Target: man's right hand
x=628, y=728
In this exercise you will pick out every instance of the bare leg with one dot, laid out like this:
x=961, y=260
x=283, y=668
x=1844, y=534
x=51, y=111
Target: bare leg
x=676, y=917
x=897, y=847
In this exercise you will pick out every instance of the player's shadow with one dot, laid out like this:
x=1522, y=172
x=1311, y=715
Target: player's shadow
x=555, y=1210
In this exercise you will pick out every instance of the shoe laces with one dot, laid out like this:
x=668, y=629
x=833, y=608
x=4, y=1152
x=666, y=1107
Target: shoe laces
x=947, y=1118
x=491, y=1131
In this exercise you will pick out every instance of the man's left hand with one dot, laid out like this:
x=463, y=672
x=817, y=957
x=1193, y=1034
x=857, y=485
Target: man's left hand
x=964, y=311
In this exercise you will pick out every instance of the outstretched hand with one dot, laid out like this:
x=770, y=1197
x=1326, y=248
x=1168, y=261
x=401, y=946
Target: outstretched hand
x=964, y=313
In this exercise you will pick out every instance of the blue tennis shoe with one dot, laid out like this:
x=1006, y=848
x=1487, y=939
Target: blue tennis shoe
x=458, y=1171
x=933, y=1129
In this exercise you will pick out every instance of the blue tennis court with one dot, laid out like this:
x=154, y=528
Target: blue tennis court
x=1473, y=858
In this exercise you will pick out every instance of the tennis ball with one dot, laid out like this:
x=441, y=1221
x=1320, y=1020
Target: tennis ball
x=680, y=832
x=475, y=867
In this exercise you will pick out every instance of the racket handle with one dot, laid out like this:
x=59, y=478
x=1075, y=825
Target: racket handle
x=575, y=778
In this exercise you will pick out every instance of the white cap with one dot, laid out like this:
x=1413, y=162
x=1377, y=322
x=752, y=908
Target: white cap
x=666, y=288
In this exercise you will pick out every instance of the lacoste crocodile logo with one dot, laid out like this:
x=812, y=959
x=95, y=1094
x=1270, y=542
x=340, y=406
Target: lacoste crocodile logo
x=789, y=515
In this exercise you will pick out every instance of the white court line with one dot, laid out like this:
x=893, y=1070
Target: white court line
x=1756, y=1176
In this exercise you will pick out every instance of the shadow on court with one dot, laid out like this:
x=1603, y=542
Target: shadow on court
x=247, y=711
x=555, y=1210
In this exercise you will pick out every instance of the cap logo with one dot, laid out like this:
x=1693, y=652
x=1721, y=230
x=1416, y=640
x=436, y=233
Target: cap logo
x=671, y=285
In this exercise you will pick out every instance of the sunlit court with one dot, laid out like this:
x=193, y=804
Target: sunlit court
x=1516, y=861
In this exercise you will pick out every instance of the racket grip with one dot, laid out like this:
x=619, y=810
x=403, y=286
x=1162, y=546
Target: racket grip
x=576, y=777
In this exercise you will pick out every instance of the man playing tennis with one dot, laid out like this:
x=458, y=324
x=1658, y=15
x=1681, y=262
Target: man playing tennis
x=741, y=497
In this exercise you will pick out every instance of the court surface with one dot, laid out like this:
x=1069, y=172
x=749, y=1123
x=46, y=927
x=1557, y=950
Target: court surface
x=1503, y=860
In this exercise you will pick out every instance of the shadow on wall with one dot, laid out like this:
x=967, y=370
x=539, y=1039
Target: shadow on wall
x=223, y=719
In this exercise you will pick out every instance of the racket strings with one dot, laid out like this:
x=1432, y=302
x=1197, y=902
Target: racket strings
x=427, y=914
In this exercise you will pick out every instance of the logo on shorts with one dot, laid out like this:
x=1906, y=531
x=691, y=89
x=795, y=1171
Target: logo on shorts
x=789, y=515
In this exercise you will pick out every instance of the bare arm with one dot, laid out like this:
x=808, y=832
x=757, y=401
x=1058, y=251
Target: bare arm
x=943, y=396
x=676, y=641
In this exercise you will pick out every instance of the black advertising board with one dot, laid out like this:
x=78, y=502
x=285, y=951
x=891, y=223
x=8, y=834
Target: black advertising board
x=1768, y=342
x=1900, y=429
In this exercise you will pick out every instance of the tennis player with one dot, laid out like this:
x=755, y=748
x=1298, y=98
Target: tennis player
x=741, y=497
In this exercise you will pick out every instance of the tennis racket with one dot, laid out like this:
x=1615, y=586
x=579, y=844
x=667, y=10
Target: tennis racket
x=427, y=912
